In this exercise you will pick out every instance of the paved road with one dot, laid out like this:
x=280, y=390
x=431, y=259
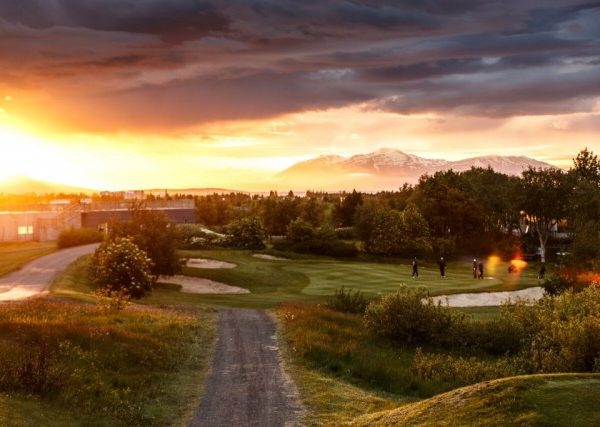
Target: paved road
x=248, y=386
x=34, y=278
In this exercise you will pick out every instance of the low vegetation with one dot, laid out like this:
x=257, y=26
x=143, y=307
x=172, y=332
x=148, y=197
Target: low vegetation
x=78, y=236
x=347, y=301
x=155, y=235
x=538, y=400
x=96, y=366
x=119, y=267
x=407, y=346
x=14, y=255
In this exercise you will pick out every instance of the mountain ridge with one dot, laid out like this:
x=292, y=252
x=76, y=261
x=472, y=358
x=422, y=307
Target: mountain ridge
x=387, y=168
x=21, y=184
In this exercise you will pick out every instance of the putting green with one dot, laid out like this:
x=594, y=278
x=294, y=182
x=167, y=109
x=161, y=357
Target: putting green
x=378, y=278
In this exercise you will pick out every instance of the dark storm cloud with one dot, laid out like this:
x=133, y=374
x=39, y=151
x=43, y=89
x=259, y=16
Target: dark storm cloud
x=173, y=20
x=159, y=63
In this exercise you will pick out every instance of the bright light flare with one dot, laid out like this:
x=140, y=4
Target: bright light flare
x=589, y=277
x=493, y=262
x=516, y=265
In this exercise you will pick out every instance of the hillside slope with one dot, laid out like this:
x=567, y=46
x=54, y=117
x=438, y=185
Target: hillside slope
x=532, y=400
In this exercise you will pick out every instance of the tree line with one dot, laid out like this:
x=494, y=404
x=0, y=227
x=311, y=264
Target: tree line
x=478, y=211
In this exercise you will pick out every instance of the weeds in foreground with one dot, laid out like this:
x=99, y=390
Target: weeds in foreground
x=106, y=363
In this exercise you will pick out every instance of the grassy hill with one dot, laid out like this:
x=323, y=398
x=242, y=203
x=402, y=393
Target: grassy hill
x=533, y=400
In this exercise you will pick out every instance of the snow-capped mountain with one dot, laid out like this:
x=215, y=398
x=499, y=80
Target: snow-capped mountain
x=388, y=168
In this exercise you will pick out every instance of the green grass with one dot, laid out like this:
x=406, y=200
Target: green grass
x=374, y=278
x=13, y=255
x=330, y=401
x=74, y=282
x=339, y=345
x=99, y=367
x=534, y=400
x=305, y=279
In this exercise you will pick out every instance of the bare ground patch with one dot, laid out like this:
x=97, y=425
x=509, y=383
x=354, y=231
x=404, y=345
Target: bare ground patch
x=270, y=257
x=488, y=299
x=197, y=285
x=208, y=263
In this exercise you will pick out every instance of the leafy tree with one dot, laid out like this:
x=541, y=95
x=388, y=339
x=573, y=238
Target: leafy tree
x=276, y=213
x=312, y=211
x=344, y=211
x=587, y=166
x=364, y=216
x=545, y=201
x=155, y=235
x=213, y=210
x=450, y=208
x=119, y=265
x=396, y=233
x=246, y=233
x=299, y=231
x=585, y=207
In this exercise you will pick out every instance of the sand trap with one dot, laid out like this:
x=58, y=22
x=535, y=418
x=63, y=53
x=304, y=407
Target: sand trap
x=197, y=285
x=487, y=299
x=208, y=263
x=270, y=257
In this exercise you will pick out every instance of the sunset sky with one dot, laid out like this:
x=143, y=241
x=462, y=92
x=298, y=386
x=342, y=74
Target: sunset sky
x=114, y=94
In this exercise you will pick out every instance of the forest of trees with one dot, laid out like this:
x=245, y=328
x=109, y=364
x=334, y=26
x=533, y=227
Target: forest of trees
x=477, y=212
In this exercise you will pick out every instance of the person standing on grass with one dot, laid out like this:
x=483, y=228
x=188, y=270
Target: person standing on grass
x=542, y=272
x=415, y=268
x=480, y=268
x=474, y=268
x=442, y=264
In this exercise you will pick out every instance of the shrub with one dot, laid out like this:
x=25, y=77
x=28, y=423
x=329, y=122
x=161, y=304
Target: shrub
x=347, y=301
x=154, y=234
x=346, y=233
x=299, y=231
x=322, y=241
x=78, y=236
x=119, y=265
x=561, y=334
x=246, y=233
x=411, y=316
x=444, y=368
x=556, y=284
x=498, y=337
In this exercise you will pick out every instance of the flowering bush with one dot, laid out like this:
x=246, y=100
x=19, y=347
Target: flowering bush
x=119, y=265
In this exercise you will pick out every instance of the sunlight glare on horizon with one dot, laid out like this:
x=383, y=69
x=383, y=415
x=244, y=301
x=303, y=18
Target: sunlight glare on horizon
x=18, y=154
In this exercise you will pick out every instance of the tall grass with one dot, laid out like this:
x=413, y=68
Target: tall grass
x=340, y=345
x=116, y=367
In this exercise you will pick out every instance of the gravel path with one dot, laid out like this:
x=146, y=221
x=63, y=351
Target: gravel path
x=487, y=299
x=34, y=278
x=248, y=386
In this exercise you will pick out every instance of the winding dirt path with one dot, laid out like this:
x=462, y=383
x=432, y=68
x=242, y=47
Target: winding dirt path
x=248, y=386
x=35, y=277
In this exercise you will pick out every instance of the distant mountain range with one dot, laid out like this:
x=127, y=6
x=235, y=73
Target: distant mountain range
x=386, y=169
x=27, y=185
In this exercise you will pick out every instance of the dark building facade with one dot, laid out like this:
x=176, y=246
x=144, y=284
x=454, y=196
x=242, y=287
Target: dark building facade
x=97, y=219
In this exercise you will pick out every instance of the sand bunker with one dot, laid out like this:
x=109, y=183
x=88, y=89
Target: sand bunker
x=208, y=263
x=487, y=299
x=197, y=285
x=270, y=257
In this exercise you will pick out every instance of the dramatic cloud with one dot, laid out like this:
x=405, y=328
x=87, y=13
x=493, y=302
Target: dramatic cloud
x=158, y=65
